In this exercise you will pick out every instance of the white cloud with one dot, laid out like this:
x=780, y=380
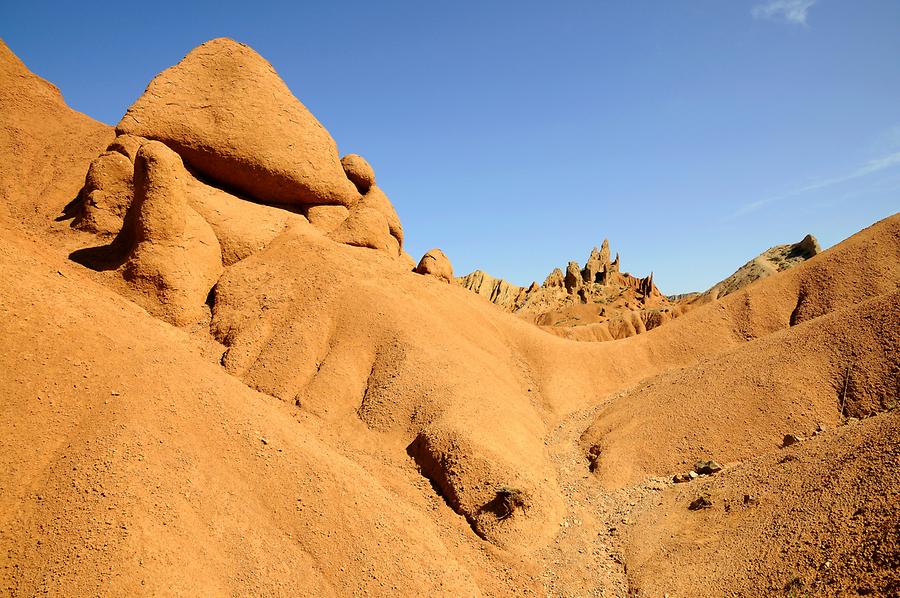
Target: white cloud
x=869, y=168
x=789, y=11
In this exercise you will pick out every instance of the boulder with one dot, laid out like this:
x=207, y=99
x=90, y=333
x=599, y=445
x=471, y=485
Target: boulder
x=229, y=115
x=791, y=439
x=358, y=171
x=807, y=247
x=436, y=263
x=707, y=467
x=377, y=200
x=174, y=258
x=701, y=502
x=106, y=195
x=366, y=227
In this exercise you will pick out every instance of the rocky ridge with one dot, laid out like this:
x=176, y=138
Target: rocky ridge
x=595, y=302
x=772, y=261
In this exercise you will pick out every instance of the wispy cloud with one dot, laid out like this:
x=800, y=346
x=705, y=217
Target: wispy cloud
x=789, y=11
x=869, y=168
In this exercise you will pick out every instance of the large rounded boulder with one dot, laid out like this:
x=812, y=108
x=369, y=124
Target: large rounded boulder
x=229, y=115
x=436, y=263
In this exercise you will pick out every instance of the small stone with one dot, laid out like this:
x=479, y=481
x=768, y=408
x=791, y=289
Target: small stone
x=680, y=478
x=851, y=421
x=791, y=439
x=750, y=499
x=707, y=467
x=264, y=441
x=115, y=393
x=693, y=475
x=702, y=502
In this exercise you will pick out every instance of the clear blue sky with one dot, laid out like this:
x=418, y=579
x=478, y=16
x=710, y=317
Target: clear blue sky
x=517, y=135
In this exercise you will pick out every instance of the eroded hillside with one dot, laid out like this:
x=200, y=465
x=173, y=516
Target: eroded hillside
x=221, y=375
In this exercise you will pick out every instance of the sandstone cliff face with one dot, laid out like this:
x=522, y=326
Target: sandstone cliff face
x=595, y=303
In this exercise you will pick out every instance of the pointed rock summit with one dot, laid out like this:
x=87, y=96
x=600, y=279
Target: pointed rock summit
x=229, y=115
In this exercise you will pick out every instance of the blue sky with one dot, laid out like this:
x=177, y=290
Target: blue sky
x=517, y=135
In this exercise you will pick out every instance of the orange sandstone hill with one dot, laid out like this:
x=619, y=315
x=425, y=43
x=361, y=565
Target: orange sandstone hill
x=221, y=375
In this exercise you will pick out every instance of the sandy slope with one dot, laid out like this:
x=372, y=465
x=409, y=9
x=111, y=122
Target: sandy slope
x=342, y=426
x=822, y=519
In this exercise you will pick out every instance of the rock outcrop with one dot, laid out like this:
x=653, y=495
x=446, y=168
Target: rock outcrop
x=239, y=127
x=595, y=303
x=358, y=171
x=366, y=227
x=174, y=258
x=375, y=199
x=171, y=235
x=555, y=279
x=496, y=290
x=106, y=195
x=226, y=111
x=573, y=280
x=436, y=263
x=773, y=260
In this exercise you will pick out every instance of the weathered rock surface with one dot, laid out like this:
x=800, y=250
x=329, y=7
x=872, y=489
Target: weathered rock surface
x=174, y=258
x=106, y=195
x=773, y=260
x=555, y=279
x=495, y=290
x=358, y=171
x=707, y=467
x=377, y=200
x=436, y=263
x=573, y=279
x=366, y=227
x=127, y=145
x=594, y=303
x=243, y=228
x=327, y=218
x=226, y=111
